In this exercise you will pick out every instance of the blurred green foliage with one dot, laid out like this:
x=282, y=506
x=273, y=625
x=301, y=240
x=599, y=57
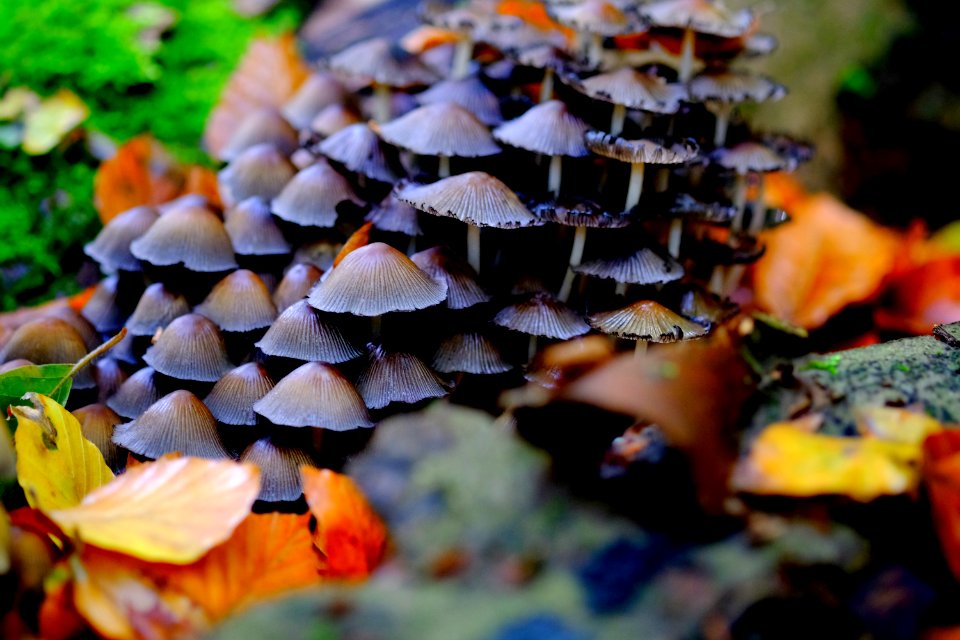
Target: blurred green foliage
x=153, y=67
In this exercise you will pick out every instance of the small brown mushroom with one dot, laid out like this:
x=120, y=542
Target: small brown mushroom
x=469, y=353
x=311, y=198
x=463, y=290
x=135, y=395
x=109, y=375
x=646, y=321
x=397, y=377
x=158, y=307
x=97, y=423
x=470, y=93
x=177, y=422
x=296, y=283
x=593, y=20
x=279, y=469
x=629, y=89
x=333, y=118
x=231, y=399
x=111, y=247
x=301, y=333
x=262, y=126
x=393, y=215
x=190, y=348
x=360, y=150
x=644, y=266
x=262, y=170
x=318, y=91
x=102, y=310
x=240, y=302
x=188, y=235
x=49, y=341
x=544, y=316
x=314, y=395
x=253, y=231
x=723, y=89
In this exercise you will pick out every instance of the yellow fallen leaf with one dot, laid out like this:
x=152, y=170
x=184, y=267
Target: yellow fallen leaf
x=171, y=510
x=894, y=424
x=55, y=117
x=56, y=465
x=17, y=101
x=790, y=461
x=4, y=541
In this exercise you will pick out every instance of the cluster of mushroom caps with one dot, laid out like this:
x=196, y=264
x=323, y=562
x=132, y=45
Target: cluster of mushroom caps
x=251, y=332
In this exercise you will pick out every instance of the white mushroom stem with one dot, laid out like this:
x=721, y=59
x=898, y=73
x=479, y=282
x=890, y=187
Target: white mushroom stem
x=594, y=49
x=382, y=98
x=635, y=188
x=618, y=118
x=375, y=325
x=663, y=179
x=734, y=276
x=673, y=240
x=443, y=167
x=462, y=56
x=576, y=255
x=723, y=111
x=641, y=349
x=546, y=86
x=412, y=247
x=716, y=283
x=532, y=348
x=740, y=202
x=759, y=209
x=686, y=55
x=473, y=247
x=553, y=180
x=621, y=289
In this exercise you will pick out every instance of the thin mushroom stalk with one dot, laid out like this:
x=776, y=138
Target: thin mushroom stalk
x=618, y=118
x=546, y=85
x=376, y=326
x=462, y=56
x=532, y=348
x=556, y=171
x=723, y=113
x=635, y=187
x=576, y=257
x=686, y=55
x=740, y=201
x=473, y=247
x=443, y=167
x=640, y=350
x=676, y=234
x=594, y=49
x=758, y=209
x=621, y=289
x=382, y=98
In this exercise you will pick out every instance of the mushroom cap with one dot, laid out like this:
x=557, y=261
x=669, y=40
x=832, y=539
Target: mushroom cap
x=190, y=348
x=547, y=128
x=647, y=320
x=333, y=118
x=193, y=236
x=469, y=353
x=239, y=302
x=158, y=307
x=441, y=264
x=91, y=338
x=231, y=399
x=440, y=129
x=542, y=315
x=312, y=197
x=541, y=56
x=644, y=266
x=318, y=91
x=729, y=86
x=685, y=205
x=360, y=150
x=135, y=395
x=595, y=16
x=177, y=422
x=49, y=341
x=470, y=93
x=749, y=157
x=302, y=333
x=263, y=126
x=475, y=197
x=279, y=469
x=706, y=308
x=703, y=16
x=376, y=279
x=378, y=60
x=109, y=375
x=393, y=215
x=314, y=395
x=296, y=283
x=101, y=310
x=581, y=213
x=97, y=423
x=397, y=377
x=634, y=89
x=111, y=247
x=252, y=229
x=645, y=151
x=260, y=170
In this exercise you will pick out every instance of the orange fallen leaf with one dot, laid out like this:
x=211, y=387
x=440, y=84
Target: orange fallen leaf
x=140, y=173
x=941, y=472
x=269, y=73
x=349, y=533
x=828, y=257
x=202, y=181
x=170, y=510
x=921, y=297
x=359, y=238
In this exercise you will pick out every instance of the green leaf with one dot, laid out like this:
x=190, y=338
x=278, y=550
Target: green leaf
x=37, y=378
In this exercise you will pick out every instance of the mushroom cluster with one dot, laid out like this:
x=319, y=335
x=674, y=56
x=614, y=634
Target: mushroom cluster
x=466, y=166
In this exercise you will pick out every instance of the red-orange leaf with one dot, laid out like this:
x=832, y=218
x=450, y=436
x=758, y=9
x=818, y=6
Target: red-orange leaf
x=140, y=173
x=941, y=471
x=349, y=533
x=359, y=238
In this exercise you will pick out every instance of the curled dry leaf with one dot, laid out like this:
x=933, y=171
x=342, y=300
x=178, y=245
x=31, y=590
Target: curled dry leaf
x=349, y=533
x=56, y=465
x=171, y=510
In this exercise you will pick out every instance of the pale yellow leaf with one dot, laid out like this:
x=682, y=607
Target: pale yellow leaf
x=53, y=119
x=17, y=101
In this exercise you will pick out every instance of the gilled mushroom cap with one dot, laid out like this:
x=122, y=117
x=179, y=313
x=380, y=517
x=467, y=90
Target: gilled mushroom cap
x=440, y=129
x=475, y=197
x=703, y=16
x=360, y=150
x=463, y=290
x=177, y=422
x=314, y=395
x=542, y=315
x=295, y=285
x=279, y=469
x=333, y=118
x=634, y=89
x=311, y=198
x=318, y=91
x=157, y=308
x=377, y=60
x=396, y=216
x=302, y=334
x=645, y=266
x=595, y=16
x=102, y=310
x=541, y=56
x=239, y=302
x=465, y=19
x=186, y=200
x=49, y=341
x=111, y=247
x=16, y=363
x=135, y=395
x=231, y=399
x=751, y=156
x=397, y=377
x=547, y=128
x=581, y=213
x=260, y=170
x=109, y=375
x=97, y=423
x=470, y=93
x=649, y=321
x=192, y=236
x=190, y=348
x=706, y=308
x=376, y=279
x=684, y=205
x=83, y=326
x=253, y=231
x=469, y=353
x=263, y=126
x=647, y=151
x=726, y=85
